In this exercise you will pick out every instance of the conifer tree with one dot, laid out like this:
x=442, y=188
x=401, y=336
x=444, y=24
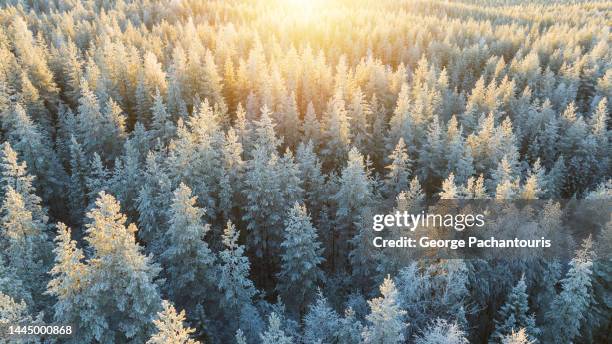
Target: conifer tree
x=442, y=332
x=78, y=182
x=234, y=281
x=311, y=128
x=35, y=148
x=170, y=327
x=398, y=177
x=386, y=318
x=336, y=133
x=274, y=333
x=518, y=337
x=113, y=295
x=187, y=260
x=300, y=260
x=321, y=323
x=161, y=124
x=15, y=175
x=312, y=177
x=514, y=315
x=569, y=307
x=25, y=245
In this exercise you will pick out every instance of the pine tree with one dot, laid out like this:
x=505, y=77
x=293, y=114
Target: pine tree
x=274, y=334
x=312, y=177
x=519, y=337
x=117, y=292
x=187, y=259
x=441, y=332
x=289, y=125
x=569, y=306
x=24, y=241
x=161, y=123
x=514, y=315
x=386, y=318
x=302, y=255
x=69, y=283
x=336, y=133
x=431, y=163
x=354, y=195
x=170, y=327
x=350, y=328
x=232, y=176
x=98, y=179
x=152, y=202
x=34, y=147
x=311, y=128
x=15, y=175
x=398, y=177
x=321, y=323
x=234, y=281
x=359, y=113
x=78, y=184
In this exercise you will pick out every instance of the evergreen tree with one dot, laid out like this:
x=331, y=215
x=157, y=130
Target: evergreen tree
x=336, y=132
x=274, y=334
x=161, y=124
x=113, y=294
x=234, y=281
x=355, y=195
x=78, y=181
x=25, y=245
x=35, y=148
x=187, y=259
x=321, y=323
x=569, y=306
x=398, y=177
x=514, y=315
x=170, y=327
x=311, y=128
x=386, y=318
x=350, y=328
x=442, y=332
x=15, y=175
x=300, y=260
x=519, y=337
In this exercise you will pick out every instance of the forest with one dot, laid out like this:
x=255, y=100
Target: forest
x=186, y=171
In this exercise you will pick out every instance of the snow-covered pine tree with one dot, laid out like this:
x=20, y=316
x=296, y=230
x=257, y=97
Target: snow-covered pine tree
x=25, y=245
x=162, y=127
x=119, y=292
x=442, y=332
x=12, y=313
x=302, y=255
x=518, y=337
x=321, y=322
x=312, y=177
x=569, y=306
x=514, y=315
x=15, y=175
x=336, y=135
x=386, y=323
x=274, y=334
x=311, y=128
x=187, y=260
x=35, y=149
x=398, y=177
x=234, y=282
x=170, y=327
x=355, y=195
x=78, y=183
